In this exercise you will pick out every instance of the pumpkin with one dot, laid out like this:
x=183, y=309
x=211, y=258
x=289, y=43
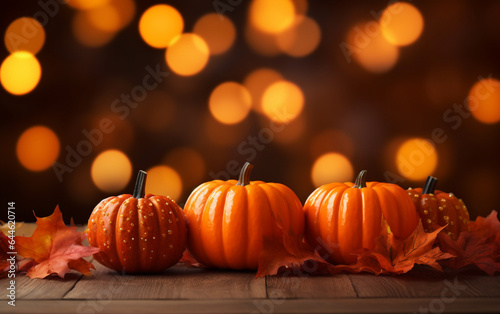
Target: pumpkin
x=438, y=208
x=228, y=219
x=137, y=233
x=343, y=218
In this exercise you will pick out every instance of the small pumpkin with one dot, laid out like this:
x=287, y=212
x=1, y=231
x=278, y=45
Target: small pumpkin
x=438, y=208
x=343, y=218
x=228, y=219
x=138, y=233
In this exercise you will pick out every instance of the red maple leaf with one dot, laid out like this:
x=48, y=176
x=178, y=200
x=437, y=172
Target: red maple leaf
x=55, y=248
x=4, y=262
x=478, y=247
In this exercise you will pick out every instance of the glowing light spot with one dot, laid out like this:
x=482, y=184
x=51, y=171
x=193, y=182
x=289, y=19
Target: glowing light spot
x=160, y=24
x=87, y=33
x=125, y=9
x=164, y=180
x=301, y=38
x=370, y=49
x=86, y=4
x=282, y=101
x=37, y=148
x=401, y=23
x=189, y=164
x=416, y=159
x=257, y=82
x=331, y=167
x=218, y=34
x=20, y=73
x=25, y=34
x=111, y=170
x=187, y=55
x=105, y=18
x=230, y=102
x=484, y=100
x=272, y=16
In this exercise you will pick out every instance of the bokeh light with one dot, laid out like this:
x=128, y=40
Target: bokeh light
x=87, y=33
x=484, y=100
x=401, y=23
x=86, y=4
x=105, y=18
x=160, y=24
x=230, y=102
x=189, y=164
x=301, y=39
x=263, y=43
x=272, y=16
x=37, y=148
x=219, y=34
x=187, y=55
x=416, y=159
x=20, y=73
x=257, y=82
x=282, y=101
x=370, y=49
x=164, y=180
x=111, y=171
x=331, y=167
x=26, y=34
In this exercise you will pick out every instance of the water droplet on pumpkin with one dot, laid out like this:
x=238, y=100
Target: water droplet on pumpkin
x=169, y=231
x=429, y=221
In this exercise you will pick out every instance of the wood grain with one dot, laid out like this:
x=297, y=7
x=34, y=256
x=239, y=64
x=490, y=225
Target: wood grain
x=313, y=287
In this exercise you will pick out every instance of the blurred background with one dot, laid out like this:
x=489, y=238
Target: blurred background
x=310, y=92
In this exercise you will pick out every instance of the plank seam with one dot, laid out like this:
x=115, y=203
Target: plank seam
x=353, y=286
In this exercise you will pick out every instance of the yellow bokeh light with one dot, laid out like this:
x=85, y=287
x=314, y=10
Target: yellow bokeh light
x=37, y=148
x=301, y=39
x=219, y=34
x=105, y=18
x=331, y=167
x=416, y=159
x=230, y=102
x=86, y=4
x=257, y=82
x=189, y=164
x=87, y=33
x=187, y=55
x=370, y=49
x=401, y=23
x=125, y=9
x=111, y=171
x=24, y=34
x=20, y=73
x=272, y=16
x=163, y=180
x=160, y=24
x=484, y=100
x=282, y=101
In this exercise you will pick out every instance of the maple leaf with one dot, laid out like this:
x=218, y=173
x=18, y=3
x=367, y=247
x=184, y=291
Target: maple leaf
x=4, y=262
x=478, y=247
x=55, y=248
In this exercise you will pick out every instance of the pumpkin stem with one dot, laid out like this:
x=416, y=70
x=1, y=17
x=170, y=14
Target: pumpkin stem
x=140, y=184
x=360, y=180
x=430, y=185
x=245, y=174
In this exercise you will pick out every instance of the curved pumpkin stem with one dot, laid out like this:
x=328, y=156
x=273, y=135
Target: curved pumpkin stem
x=430, y=185
x=360, y=180
x=140, y=184
x=245, y=174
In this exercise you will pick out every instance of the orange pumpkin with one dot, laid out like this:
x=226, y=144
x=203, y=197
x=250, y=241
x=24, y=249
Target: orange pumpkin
x=343, y=218
x=438, y=208
x=228, y=219
x=138, y=234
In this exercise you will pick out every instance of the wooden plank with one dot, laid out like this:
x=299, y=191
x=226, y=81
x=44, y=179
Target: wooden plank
x=368, y=305
x=313, y=287
x=178, y=282
x=425, y=284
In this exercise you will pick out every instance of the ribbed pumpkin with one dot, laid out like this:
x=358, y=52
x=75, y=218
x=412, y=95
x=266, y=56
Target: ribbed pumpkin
x=138, y=234
x=342, y=218
x=228, y=219
x=438, y=208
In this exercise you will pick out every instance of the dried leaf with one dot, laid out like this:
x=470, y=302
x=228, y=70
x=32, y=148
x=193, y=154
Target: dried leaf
x=55, y=248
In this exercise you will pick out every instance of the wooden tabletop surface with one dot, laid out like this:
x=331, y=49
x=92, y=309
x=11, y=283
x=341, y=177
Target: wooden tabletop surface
x=183, y=289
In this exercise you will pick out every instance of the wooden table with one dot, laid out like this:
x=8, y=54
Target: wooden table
x=183, y=289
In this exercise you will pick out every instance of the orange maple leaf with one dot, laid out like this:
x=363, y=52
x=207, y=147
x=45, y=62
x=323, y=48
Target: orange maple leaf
x=55, y=248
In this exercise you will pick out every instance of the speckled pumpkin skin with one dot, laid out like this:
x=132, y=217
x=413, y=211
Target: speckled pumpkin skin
x=144, y=235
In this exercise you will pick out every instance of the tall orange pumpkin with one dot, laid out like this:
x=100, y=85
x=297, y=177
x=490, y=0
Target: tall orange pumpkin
x=228, y=219
x=137, y=233
x=438, y=208
x=342, y=218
